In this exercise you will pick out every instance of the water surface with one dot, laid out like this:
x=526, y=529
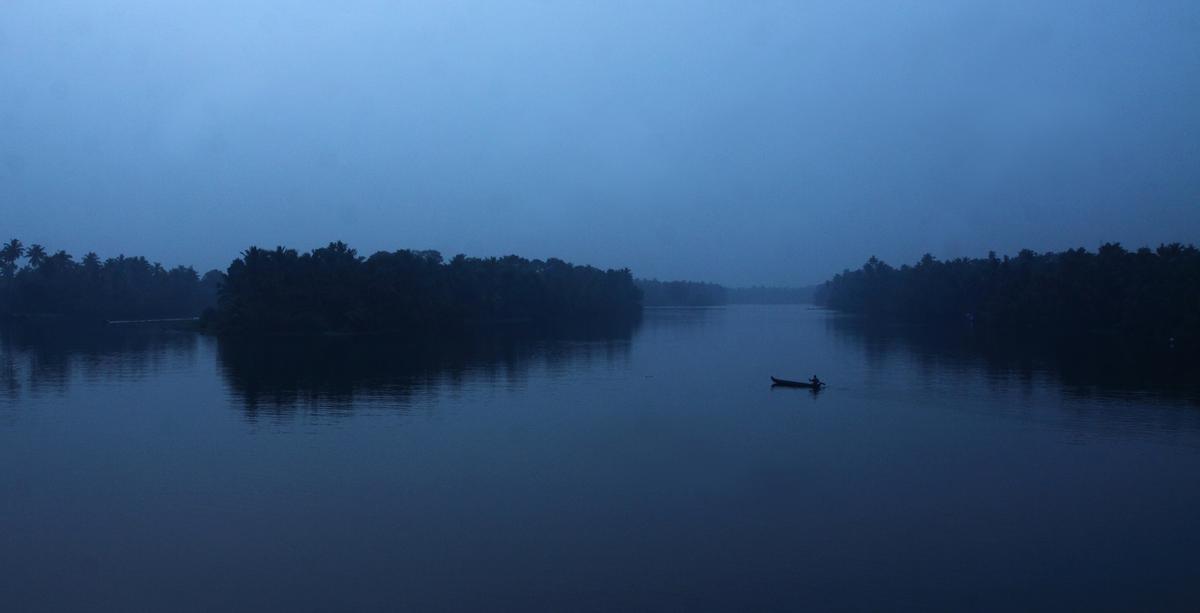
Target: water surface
x=641, y=468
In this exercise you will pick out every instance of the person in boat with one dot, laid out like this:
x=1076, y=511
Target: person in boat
x=815, y=381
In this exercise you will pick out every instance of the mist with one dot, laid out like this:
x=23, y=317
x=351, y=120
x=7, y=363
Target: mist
x=738, y=143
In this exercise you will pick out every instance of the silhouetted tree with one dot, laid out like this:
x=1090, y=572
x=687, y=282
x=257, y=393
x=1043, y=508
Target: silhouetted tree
x=1151, y=293
x=117, y=288
x=36, y=254
x=682, y=293
x=10, y=254
x=334, y=289
x=771, y=295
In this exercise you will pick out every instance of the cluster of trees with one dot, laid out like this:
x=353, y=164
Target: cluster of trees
x=272, y=376
x=54, y=284
x=333, y=289
x=759, y=294
x=695, y=293
x=1145, y=292
x=682, y=293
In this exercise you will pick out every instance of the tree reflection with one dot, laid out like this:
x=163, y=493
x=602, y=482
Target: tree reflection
x=1084, y=365
x=39, y=358
x=329, y=375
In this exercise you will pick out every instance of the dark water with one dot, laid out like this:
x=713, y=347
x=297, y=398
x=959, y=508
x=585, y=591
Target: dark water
x=649, y=468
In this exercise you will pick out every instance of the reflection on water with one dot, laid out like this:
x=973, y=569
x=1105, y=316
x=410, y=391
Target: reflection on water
x=281, y=374
x=43, y=358
x=332, y=374
x=320, y=374
x=1084, y=366
x=1119, y=389
x=647, y=467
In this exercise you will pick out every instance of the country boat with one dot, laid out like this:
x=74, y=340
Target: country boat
x=787, y=383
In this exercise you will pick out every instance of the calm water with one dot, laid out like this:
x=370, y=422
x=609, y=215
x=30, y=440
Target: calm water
x=650, y=468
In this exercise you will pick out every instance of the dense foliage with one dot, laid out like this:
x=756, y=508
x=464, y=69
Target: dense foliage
x=333, y=289
x=116, y=288
x=695, y=293
x=1146, y=292
x=682, y=293
x=771, y=295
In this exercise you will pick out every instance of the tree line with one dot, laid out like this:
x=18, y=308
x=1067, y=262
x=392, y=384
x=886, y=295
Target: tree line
x=333, y=289
x=1146, y=292
x=682, y=293
x=760, y=294
x=37, y=283
x=698, y=293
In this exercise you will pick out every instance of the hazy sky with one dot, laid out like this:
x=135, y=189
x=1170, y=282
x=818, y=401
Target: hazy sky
x=739, y=142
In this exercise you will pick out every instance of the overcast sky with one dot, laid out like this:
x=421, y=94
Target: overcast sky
x=738, y=142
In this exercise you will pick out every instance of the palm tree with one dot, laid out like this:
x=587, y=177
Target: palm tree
x=61, y=259
x=11, y=252
x=36, y=255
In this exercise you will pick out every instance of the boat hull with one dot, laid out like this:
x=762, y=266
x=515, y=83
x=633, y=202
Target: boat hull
x=801, y=384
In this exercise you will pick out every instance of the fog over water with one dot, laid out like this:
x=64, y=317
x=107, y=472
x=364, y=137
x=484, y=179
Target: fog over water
x=744, y=143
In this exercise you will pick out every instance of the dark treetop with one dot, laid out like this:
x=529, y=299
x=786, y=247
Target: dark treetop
x=55, y=285
x=682, y=293
x=333, y=289
x=697, y=293
x=1147, y=293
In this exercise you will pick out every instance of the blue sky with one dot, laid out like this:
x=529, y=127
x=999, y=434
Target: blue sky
x=738, y=142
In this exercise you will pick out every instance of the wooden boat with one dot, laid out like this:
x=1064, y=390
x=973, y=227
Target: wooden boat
x=804, y=384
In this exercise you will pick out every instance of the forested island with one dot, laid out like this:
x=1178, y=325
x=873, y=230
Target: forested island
x=333, y=289
x=698, y=293
x=330, y=289
x=761, y=294
x=35, y=283
x=1152, y=293
x=682, y=293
